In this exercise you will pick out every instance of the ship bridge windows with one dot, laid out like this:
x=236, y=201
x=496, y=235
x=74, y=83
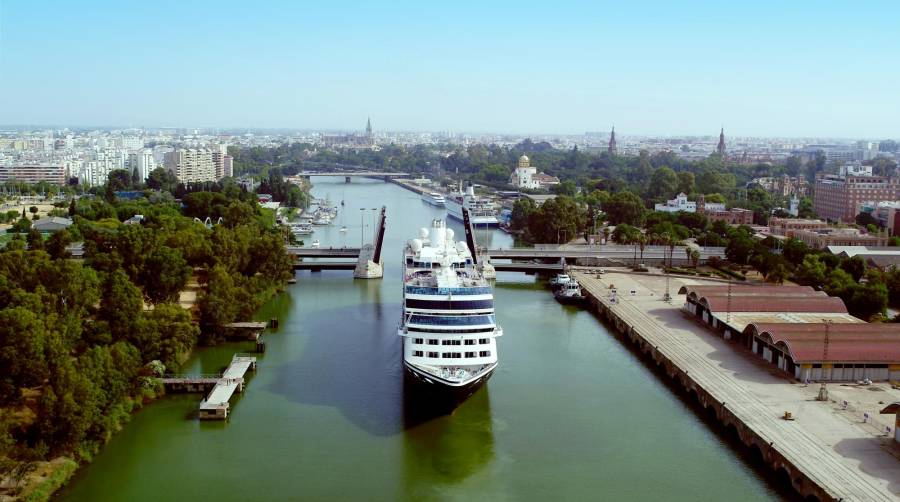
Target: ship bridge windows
x=485, y=353
x=470, y=354
x=418, y=353
x=451, y=342
x=455, y=320
x=484, y=341
x=418, y=341
x=470, y=341
x=432, y=342
x=421, y=290
x=453, y=331
x=433, y=355
x=451, y=355
x=449, y=304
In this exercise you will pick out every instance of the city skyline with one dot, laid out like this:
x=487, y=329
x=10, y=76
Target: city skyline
x=673, y=71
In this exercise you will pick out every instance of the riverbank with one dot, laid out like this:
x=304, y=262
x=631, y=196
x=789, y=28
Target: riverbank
x=825, y=451
x=38, y=481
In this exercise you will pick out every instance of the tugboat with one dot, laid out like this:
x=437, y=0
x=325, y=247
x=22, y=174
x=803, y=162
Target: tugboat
x=448, y=325
x=560, y=281
x=570, y=294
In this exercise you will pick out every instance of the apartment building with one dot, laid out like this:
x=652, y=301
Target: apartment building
x=33, y=173
x=191, y=164
x=838, y=197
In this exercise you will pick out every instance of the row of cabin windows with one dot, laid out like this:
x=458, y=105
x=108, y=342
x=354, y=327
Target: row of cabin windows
x=452, y=331
x=428, y=264
x=452, y=355
x=470, y=341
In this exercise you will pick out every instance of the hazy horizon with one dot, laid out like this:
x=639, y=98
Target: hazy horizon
x=765, y=70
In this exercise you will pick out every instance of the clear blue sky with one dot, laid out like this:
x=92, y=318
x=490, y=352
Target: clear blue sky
x=766, y=68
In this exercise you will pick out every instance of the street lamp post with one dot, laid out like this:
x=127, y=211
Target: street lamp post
x=362, y=227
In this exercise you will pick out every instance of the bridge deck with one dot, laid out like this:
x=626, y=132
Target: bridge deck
x=325, y=265
x=527, y=267
x=308, y=252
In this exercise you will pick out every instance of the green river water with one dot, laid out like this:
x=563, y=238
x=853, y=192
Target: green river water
x=570, y=414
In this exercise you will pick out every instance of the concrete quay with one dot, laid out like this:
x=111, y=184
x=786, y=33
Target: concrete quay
x=827, y=452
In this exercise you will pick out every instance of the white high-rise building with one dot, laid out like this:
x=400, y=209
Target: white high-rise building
x=222, y=162
x=191, y=164
x=143, y=162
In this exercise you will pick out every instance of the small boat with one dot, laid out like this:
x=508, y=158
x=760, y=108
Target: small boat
x=343, y=229
x=315, y=243
x=570, y=294
x=560, y=280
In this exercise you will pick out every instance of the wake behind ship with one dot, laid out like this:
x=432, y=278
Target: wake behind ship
x=448, y=326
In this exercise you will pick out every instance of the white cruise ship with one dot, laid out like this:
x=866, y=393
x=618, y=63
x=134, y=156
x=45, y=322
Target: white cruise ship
x=481, y=211
x=448, y=326
x=433, y=198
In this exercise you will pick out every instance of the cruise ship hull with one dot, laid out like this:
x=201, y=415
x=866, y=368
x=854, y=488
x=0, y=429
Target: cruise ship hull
x=436, y=392
x=454, y=210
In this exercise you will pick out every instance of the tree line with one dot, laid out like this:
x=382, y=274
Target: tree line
x=78, y=337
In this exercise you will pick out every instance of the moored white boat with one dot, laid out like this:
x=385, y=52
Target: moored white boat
x=434, y=198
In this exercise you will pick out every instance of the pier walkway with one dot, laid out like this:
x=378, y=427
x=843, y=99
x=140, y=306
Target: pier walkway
x=215, y=405
x=828, y=452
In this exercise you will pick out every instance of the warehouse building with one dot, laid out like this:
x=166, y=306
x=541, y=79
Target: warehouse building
x=788, y=326
x=853, y=352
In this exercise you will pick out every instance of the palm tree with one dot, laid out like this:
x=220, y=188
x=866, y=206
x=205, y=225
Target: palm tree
x=695, y=257
x=642, y=242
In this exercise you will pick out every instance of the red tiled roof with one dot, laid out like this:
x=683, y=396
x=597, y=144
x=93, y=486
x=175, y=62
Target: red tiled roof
x=813, y=304
x=858, y=343
x=743, y=289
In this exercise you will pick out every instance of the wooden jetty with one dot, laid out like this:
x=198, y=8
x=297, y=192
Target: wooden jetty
x=215, y=406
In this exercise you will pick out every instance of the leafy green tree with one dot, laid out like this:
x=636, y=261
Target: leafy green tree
x=522, y=209
x=567, y=188
x=34, y=239
x=164, y=274
x=740, y=247
x=161, y=179
x=625, y=234
x=57, y=245
x=855, y=266
x=23, y=337
x=794, y=251
x=121, y=305
x=218, y=306
x=811, y=271
x=778, y=273
x=167, y=334
x=22, y=226
x=663, y=183
x=558, y=220
x=118, y=180
x=868, y=300
x=625, y=207
x=239, y=213
x=686, y=182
